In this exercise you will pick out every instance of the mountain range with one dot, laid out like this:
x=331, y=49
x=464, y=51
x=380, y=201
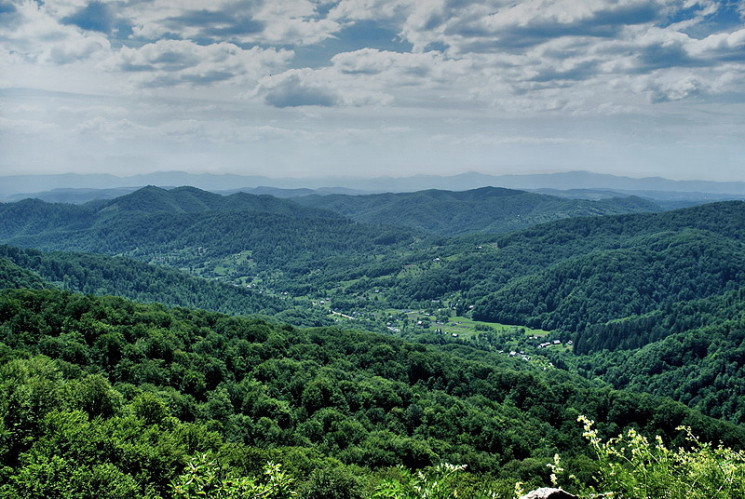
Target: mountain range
x=81, y=187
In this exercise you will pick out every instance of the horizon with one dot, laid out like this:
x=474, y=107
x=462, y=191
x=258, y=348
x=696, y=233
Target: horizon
x=362, y=177
x=353, y=177
x=17, y=187
x=301, y=88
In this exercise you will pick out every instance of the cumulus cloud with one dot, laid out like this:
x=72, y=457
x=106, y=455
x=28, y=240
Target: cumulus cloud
x=720, y=46
x=532, y=45
x=181, y=62
x=28, y=32
x=366, y=10
x=281, y=22
x=370, y=77
x=372, y=62
x=498, y=25
x=294, y=90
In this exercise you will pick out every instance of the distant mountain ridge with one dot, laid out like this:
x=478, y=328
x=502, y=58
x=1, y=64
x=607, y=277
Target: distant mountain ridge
x=15, y=186
x=151, y=200
x=483, y=210
x=187, y=227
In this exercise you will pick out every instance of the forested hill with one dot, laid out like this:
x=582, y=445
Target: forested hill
x=119, y=276
x=484, y=210
x=699, y=361
x=101, y=396
x=31, y=216
x=15, y=276
x=151, y=200
x=567, y=274
x=575, y=273
x=199, y=231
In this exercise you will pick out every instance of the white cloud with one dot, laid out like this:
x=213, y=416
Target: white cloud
x=278, y=22
x=294, y=22
x=168, y=63
x=372, y=77
x=366, y=10
x=155, y=19
x=31, y=34
x=371, y=61
x=718, y=42
x=674, y=85
x=501, y=25
x=296, y=88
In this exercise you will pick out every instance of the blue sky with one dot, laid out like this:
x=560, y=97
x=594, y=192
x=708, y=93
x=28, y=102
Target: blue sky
x=373, y=87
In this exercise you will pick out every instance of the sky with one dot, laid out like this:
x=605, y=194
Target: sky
x=373, y=87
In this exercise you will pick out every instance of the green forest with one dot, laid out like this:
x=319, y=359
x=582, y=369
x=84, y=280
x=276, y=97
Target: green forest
x=180, y=343
x=98, y=389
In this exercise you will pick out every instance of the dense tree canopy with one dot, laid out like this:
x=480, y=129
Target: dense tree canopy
x=98, y=389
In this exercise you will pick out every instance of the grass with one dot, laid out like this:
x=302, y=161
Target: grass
x=463, y=326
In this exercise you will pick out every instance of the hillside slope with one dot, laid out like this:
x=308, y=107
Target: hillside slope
x=151, y=200
x=484, y=210
x=691, y=351
x=118, y=276
x=574, y=273
x=250, y=236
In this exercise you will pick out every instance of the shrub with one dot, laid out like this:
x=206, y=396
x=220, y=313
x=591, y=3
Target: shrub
x=632, y=466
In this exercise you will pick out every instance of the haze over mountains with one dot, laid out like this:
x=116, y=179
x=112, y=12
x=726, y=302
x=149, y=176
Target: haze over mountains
x=81, y=188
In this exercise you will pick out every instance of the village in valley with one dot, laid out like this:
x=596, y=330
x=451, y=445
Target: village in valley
x=440, y=325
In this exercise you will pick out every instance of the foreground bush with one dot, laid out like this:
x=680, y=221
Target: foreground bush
x=632, y=466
